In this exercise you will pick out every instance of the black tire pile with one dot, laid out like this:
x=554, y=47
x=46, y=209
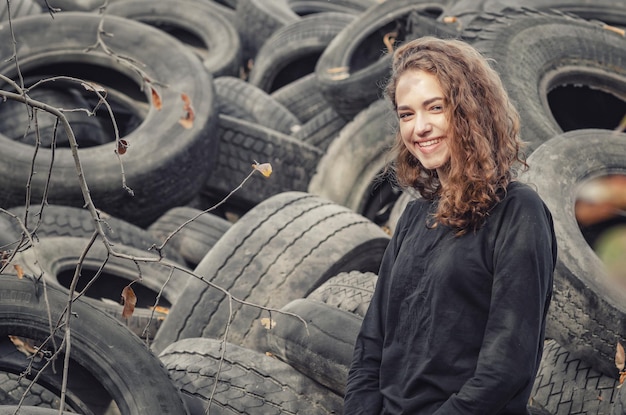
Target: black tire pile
x=253, y=307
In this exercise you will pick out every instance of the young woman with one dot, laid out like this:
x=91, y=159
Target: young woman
x=456, y=323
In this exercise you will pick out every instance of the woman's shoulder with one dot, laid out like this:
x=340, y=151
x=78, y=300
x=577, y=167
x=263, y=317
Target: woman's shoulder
x=520, y=192
x=522, y=197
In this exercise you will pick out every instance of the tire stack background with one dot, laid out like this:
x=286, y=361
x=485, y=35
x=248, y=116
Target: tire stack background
x=297, y=84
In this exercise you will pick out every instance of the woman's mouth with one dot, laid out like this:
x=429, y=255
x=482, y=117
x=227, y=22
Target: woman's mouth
x=429, y=142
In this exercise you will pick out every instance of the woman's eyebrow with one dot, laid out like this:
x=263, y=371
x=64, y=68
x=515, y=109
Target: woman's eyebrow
x=425, y=103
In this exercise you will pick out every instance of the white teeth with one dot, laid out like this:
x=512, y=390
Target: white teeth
x=429, y=143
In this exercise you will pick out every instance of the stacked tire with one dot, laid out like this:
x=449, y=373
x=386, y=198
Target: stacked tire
x=249, y=290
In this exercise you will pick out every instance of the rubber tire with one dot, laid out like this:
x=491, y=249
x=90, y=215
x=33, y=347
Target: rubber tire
x=55, y=258
x=281, y=250
x=323, y=348
x=243, y=143
x=58, y=220
x=610, y=11
x=321, y=130
x=220, y=52
x=101, y=347
x=19, y=9
x=352, y=68
x=256, y=20
x=535, y=52
x=587, y=315
x=569, y=386
x=28, y=410
x=293, y=50
x=13, y=387
x=87, y=129
x=240, y=99
x=350, y=168
x=196, y=238
x=619, y=408
x=306, y=7
x=302, y=97
x=249, y=382
x=349, y=291
x=161, y=171
x=73, y=5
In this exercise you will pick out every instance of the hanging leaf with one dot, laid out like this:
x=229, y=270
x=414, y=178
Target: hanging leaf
x=265, y=169
x=93, y=87
x=620, y=357
x=268, y=323
x=156, y=99
x=189, y=115
x=122, y=146
x=129, y=299
x=19, y=270
x=23, y=345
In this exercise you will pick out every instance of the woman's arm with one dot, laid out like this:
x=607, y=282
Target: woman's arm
x=524, y=260
x=363, y=395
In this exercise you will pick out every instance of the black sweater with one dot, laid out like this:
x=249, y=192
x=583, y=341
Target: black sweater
x=456, y=324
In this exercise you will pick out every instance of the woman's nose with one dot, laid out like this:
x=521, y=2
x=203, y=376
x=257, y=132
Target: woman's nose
x=422, y=125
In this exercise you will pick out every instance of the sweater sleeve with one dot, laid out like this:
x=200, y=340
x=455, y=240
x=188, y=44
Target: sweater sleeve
x=524, y=261
x=363, y=395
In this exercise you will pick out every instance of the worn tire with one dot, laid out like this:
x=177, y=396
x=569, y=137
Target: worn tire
x=28, y=410
x=106, y=361
x=281, y=250
x=55, y=258
x=569, y=386
x=256, y=20
x=243, y=143
x=322, y=349
x=248, y=382
x=348, y=173
x=302, y=97
x=13, y=388
x=58, y=220
x=321, y=130
x=196, y=238
x=306, y=7
x=349, y=291
x=219, y=46
x=588, y=311
x=87, y=129
x=161, y=171
x=561, y=72
x=609, y=11
x=243, y=100
x=292, y=51
x=357, y=61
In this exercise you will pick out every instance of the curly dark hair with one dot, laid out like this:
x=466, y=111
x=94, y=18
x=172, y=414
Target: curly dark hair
x=483, y=126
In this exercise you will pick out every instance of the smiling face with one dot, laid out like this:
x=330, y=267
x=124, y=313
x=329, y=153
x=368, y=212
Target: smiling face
x=423, y=122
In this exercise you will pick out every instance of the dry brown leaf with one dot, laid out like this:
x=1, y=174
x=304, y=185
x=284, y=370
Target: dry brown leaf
x=23, y=345
x=156, y=99
x=265, y=168
x=620, y=357
x=19, y=270
x=189, y=116
x=614, y=29
x=129, y=299
x=122, y=146
x=268, y=323
x=92, y=87
x=160, y=309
